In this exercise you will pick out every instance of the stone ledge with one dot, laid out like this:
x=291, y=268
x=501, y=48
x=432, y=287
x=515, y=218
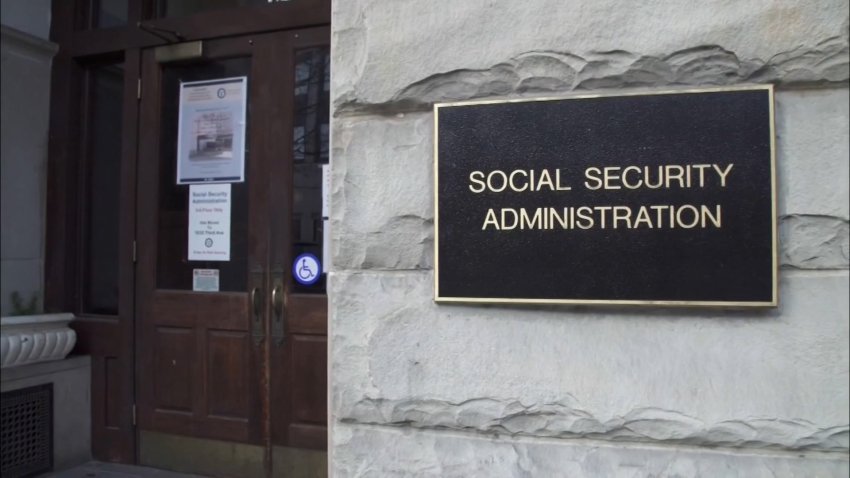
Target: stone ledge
x=566, y=420
x=46, y=368
x=35, y=338
x=539, y=72
x=383, y=50
x=381, y=451
x=28, y=41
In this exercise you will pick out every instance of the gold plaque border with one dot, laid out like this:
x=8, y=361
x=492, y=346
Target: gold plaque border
x=652, y=303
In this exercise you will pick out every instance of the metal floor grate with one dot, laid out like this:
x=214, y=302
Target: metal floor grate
x=26, y=431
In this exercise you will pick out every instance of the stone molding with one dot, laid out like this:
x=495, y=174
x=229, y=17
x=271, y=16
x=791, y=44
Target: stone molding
x=28, y=42
x=566, y=420
x=365, y=450
x=35, y=338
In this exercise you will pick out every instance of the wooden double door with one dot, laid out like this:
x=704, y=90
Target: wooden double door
x=241, y=358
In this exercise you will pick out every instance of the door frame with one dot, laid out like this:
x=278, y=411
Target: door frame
x=283, y=363
x=80, y=45
x=149, y=298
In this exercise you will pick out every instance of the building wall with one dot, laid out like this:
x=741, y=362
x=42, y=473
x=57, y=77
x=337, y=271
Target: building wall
x=71, y=426
x=445, y=390
x=28, y=16
x=26, y=58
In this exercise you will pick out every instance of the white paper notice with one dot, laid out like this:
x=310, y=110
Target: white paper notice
x=205, y=280
x=326, y=245
x=209, y=222
x=326, y=190
x=211, y=131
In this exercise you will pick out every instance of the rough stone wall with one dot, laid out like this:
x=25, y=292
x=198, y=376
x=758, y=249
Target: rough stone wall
x=420, y=389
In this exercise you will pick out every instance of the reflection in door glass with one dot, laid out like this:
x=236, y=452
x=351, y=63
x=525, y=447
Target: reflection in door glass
x=174, y=269
x=109, y=13
x=103, y=154
x=310, y=152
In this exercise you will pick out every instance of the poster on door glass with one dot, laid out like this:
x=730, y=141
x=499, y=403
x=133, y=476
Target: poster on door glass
x=211, y=131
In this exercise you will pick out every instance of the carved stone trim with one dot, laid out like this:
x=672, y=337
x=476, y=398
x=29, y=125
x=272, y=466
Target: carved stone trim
x=35, y=338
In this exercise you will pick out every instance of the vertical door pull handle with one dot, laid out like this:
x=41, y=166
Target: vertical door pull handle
x=277, y=310
x=257, y=314
x=277, y=301
x=256, y=302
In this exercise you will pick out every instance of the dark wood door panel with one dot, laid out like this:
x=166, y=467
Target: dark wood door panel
x=201, y=383
x=227, y=378
x=307, y=435
x=224, y=310
x=309, y=379
x=175, y=362
x=113, y=369
x=299, y=391
x=302, y=421
x=307, y=314
x=112, y=428
x=97, y=336
x=216, y=428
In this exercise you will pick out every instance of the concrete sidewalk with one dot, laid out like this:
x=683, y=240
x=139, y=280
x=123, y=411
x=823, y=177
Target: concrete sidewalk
x=96, y=469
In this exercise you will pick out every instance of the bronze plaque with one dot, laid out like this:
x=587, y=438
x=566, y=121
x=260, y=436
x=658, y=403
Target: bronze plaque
x=656, y=197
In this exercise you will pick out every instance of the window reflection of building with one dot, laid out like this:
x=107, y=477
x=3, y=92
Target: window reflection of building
x=312, y=86
x=310, y=150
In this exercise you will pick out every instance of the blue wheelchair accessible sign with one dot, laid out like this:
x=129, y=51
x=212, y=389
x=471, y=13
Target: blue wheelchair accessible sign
x=307, y=269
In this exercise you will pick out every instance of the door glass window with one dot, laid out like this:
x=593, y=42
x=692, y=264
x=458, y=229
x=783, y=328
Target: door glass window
x=103, y=170
x=310, y=152
x=109, y=13
x=174, y=270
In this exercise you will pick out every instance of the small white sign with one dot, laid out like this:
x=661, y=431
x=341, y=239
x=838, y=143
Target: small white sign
x=326, y=245
x=326, y=191
x=209, y=222
x=205, y=280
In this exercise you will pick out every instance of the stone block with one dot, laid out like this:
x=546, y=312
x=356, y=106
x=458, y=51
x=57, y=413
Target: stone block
x=813, y=161
x=385, y=52
x=380, y=451
x=382, y=199
x=814, y=242
x=774, y=378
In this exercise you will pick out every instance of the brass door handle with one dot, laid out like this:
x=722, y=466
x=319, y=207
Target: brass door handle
x=277, y=310
x=256, y=302
x=277, y=301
